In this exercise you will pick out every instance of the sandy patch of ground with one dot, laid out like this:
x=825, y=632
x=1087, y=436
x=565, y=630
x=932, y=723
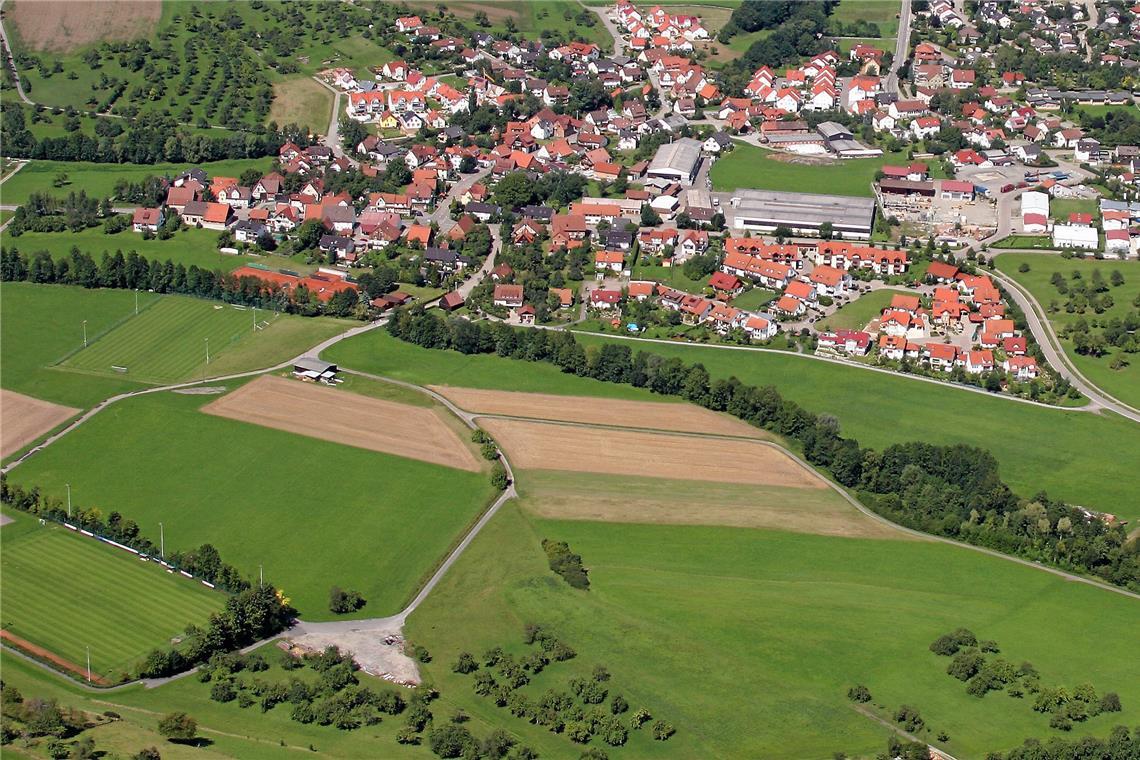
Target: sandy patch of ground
x=613, y=498
x=685, y=418
x=63, y=25
x=379, y=651
x=348, y=418
x=202, y=390
x=554, y=446
x=23, y=419
x=4, y=520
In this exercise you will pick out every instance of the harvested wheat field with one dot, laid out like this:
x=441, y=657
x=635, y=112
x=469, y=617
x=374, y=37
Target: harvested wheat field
x=58, y=26
x=23, y=419
x=685, y=418
x=343, y=417
x=554, y=446
x=661, y=501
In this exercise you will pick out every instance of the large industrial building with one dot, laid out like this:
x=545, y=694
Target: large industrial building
x=677, y=161
x=802, y=213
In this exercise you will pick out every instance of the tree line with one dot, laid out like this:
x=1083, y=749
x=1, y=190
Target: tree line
x=948, y=490
x=135, y=272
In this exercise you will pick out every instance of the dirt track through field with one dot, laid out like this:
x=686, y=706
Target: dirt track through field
x=685, y=418
x=49, y=656
x=343, y=417
x=63, y=25
x=23, y=419
x=553, y=446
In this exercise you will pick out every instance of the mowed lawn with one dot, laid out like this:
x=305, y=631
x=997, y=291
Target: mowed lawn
x=747, y=640
x=98, y=180
x=168, y=341
x=884, y=13
x=856, y=314
x=187, y=247
x=1038, y=448
x=304, y=101
x=67, y=592
x=1123, y=383
x=312, y=513
x=41, y=324
x=750, y=167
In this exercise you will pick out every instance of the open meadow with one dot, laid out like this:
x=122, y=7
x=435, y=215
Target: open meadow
x=304, y=101
x=856, y=314
x=42, y=324
x=1122, y=381
x=877, y=409
x=188, y=247
x=67, y=592
x=98, y=180
x=759, y=168
x=311, y=512
x=169, y=341
x=779, y=624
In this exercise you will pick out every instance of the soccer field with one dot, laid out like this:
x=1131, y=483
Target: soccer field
x=66, y=592
x=169, y=341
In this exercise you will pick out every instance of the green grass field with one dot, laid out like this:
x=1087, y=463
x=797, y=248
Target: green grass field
x=41, y=324
x=1025, y=241
x=1060, y=208
x=304, y=101
x=876, y=409
x=167, y=342
x=98, y=180
x=1122, y=383
x=66, y=592
x=751, y=167
x=189, y=246
x=313, y=513
x=689, y=619
x=884, y=13
x=856, y=314
x=674, y=277
x=756, y=298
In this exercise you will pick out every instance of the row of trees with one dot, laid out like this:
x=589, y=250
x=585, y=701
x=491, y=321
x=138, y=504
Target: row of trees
x=952, y=491
x=135, y=272
x=204, y=562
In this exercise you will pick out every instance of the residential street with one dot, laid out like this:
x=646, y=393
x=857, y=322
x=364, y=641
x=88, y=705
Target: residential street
x=902, y=47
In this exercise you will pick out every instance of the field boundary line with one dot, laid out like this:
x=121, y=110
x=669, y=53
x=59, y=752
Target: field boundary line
x=107, y=330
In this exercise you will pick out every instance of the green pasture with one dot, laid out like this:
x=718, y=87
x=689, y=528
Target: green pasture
x=754, y=299
x=685, y=617
x=98, y=180
x=856, y=314
x=884, y=13
x=67, y=592
x=42, y=324
x=311, y=512
x=876, y=409
x=1123, y=383
x=674, y=277
x=169, y=341
x=188, y=246
x=751, y=167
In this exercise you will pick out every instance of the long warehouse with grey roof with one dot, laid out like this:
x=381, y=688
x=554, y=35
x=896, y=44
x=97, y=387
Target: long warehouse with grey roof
x=802, y=213
x=676, y=161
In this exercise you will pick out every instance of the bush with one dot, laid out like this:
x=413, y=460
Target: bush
x=663, y=730
x=465, y=664
x=178, y=726
x=1110, y=702
x=489, y=451
x=450, y=741
x=965, y=665
x=565, y=563
x=499, y=477
x=342, y=602
x=859, y=693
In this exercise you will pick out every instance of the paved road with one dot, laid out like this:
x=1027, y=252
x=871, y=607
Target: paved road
x=602, y=12
x=902, y=47
x=10, y=62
